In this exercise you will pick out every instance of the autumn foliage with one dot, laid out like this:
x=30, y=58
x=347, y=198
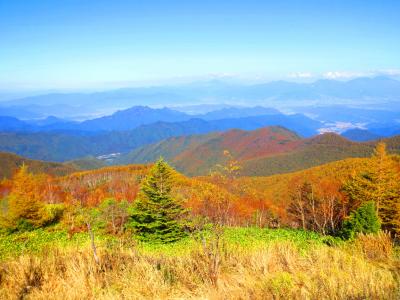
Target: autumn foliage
x=318, y=199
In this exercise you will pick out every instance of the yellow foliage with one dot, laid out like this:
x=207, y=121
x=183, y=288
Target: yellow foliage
x=24, y=201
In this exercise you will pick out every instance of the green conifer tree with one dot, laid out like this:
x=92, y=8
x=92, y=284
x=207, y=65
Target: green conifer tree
x=363, y=220
x=156, y=215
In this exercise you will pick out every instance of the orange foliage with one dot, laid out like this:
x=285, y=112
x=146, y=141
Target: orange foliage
x=261, y=201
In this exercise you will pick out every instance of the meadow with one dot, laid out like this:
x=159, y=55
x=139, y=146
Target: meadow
x=224, y=263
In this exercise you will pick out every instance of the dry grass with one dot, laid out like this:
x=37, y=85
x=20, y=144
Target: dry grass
x=378, y=247
x=279, y=271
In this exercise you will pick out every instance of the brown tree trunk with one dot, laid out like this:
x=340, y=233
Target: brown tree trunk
x=96, y=258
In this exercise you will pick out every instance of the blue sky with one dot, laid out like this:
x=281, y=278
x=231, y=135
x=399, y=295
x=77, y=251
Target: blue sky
x=81, y=43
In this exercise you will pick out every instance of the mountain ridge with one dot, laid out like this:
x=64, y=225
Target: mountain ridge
x=261, y=152
x=68, y=145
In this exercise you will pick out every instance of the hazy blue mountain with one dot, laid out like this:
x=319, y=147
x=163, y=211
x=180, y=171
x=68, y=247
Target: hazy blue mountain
x=132, y=118
x=114, y=99
x=12, y=124
x=50, y=120
x=323, y=92
x=20, y=112
x=238, y=112
x=341, y=113
x=336, y=118
x=201, y=109
x=360, y=135
x=140, y=115
x=33, y=111
x=386, y=130
x=122, y=120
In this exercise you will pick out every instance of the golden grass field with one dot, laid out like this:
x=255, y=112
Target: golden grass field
x=367, y=268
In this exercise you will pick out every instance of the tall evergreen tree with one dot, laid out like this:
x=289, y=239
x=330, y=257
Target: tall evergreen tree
x=380, y=184
x=156, y=215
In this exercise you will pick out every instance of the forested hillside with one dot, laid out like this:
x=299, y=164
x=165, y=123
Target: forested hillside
x=313, y=152
x=10, y=163
x=263, y=152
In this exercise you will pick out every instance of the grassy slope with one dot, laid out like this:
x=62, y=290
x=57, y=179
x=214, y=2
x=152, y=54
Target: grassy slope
x=249, y=263
x=15, y=244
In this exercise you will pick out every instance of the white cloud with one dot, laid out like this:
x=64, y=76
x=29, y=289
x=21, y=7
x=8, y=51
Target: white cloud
x=301, y=75
x=340, y=127
x=390, y=72
x=345, y=74
x=351, y=74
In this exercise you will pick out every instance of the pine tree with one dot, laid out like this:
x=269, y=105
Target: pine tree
x=380, y=184
x=156, y=215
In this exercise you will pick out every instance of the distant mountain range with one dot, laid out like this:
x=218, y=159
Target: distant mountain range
x=381, y=91
x=262, y=152
x=50, y=127
x=63, y=143
x=131, y=118
x=336, y=118
x=56, y=139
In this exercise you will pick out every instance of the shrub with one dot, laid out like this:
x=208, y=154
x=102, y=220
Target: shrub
x=114, y=215
x=363, y=220
x=53, y=213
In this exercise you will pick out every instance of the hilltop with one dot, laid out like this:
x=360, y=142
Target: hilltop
x=261, y=152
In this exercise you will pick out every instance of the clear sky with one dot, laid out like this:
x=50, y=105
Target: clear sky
x=78, y=43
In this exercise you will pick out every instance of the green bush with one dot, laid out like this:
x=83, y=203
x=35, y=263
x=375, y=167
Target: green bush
x=23, y=225
x=363, y=220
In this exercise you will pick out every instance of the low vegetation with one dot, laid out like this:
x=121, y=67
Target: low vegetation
x=278, y=264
